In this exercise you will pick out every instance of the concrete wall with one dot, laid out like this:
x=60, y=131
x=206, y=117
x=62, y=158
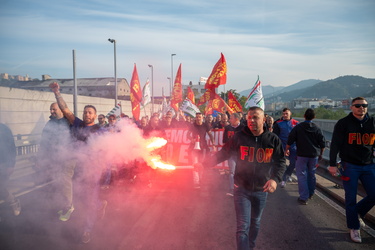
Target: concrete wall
x=27, y=111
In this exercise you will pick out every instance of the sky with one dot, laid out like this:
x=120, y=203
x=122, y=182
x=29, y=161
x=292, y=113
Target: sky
x=283, y=42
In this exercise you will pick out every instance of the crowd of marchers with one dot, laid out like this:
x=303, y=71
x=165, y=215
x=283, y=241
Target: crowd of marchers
x=256, y=147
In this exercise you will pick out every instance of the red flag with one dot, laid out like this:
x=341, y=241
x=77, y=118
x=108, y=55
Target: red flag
x=190, y=95
x=208, y=95
x=135, y=94
x=177, y=90
x=218, y=104
x=233, y=103
x=218, y=75
x=209, y=110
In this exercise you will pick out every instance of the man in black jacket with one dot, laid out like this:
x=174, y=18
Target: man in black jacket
x=310, y=143
x=354, y=139
x=229, y=131
x=260, y=164
x=7, y=163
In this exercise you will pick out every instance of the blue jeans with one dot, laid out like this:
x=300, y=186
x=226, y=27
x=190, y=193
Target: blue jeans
x=65, y=182
x=107, y=175
x=249, y=206
x=305, y=170
x=88, y=187
x=352, y=173
x=292, y=163
x=232, y=168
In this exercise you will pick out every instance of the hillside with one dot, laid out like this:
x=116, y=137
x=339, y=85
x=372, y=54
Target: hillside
x=343, y=87
x=269, y=90
x=299, y=85
x=266, y=89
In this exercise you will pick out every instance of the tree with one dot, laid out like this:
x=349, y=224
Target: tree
x=324, y=113
x=225, y=95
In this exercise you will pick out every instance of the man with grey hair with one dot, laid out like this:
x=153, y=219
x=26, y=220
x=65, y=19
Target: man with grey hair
x=52, y=161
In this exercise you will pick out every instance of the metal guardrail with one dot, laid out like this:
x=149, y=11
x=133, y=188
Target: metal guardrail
x=26, y=143
x=322, y=171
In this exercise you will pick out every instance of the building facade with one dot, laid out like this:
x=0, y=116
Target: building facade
x=95, y=87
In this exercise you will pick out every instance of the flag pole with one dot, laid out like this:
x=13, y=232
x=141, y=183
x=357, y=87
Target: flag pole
x=144, y=110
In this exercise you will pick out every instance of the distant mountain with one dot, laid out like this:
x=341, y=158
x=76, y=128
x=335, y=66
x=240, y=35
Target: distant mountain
x=266, y=89
x=299, y=85
x=343, y=87
x=269, y=90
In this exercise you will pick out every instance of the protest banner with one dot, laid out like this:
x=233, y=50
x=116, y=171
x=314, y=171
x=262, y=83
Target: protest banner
x=179, y=150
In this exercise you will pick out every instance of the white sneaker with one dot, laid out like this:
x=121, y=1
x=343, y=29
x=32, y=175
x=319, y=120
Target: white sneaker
x=86, y=237
x=16, y=207
x=282, y=185
x=361, y=222
x=355, y=235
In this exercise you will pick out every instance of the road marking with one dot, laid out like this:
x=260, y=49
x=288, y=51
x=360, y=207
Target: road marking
x=28, y=190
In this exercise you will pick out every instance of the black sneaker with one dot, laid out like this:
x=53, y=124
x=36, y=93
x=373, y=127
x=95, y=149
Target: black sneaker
x=302, y=202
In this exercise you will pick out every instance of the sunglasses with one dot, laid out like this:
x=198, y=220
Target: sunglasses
x=360, y=105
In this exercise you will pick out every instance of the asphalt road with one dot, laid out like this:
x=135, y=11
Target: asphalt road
x=173, y=215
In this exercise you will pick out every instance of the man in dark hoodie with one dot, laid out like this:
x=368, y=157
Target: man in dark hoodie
x=8, y=153
x=229, y=131
x=260, y=164
x=354, y=139
x=310, y=147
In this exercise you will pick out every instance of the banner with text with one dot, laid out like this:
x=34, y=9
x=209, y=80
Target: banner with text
x=178, y=146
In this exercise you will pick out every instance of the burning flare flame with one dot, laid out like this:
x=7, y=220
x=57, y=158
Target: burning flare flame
x=155, y=161
x=156, y=142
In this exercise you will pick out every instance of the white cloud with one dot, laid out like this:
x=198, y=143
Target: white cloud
x=282, y=41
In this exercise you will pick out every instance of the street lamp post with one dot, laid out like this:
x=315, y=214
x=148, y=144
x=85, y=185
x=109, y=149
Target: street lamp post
x=172, y=73
x=114, y=52
x=152, y=87
x=170, y=85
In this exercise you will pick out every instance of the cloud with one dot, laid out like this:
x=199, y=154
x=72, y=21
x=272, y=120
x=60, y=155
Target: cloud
x=284, y=42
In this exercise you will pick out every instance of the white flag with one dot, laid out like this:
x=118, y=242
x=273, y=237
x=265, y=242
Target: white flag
x=146, y=99
x=115, y=111
x=188, y=107
x=165, y=107
x=255, y=97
